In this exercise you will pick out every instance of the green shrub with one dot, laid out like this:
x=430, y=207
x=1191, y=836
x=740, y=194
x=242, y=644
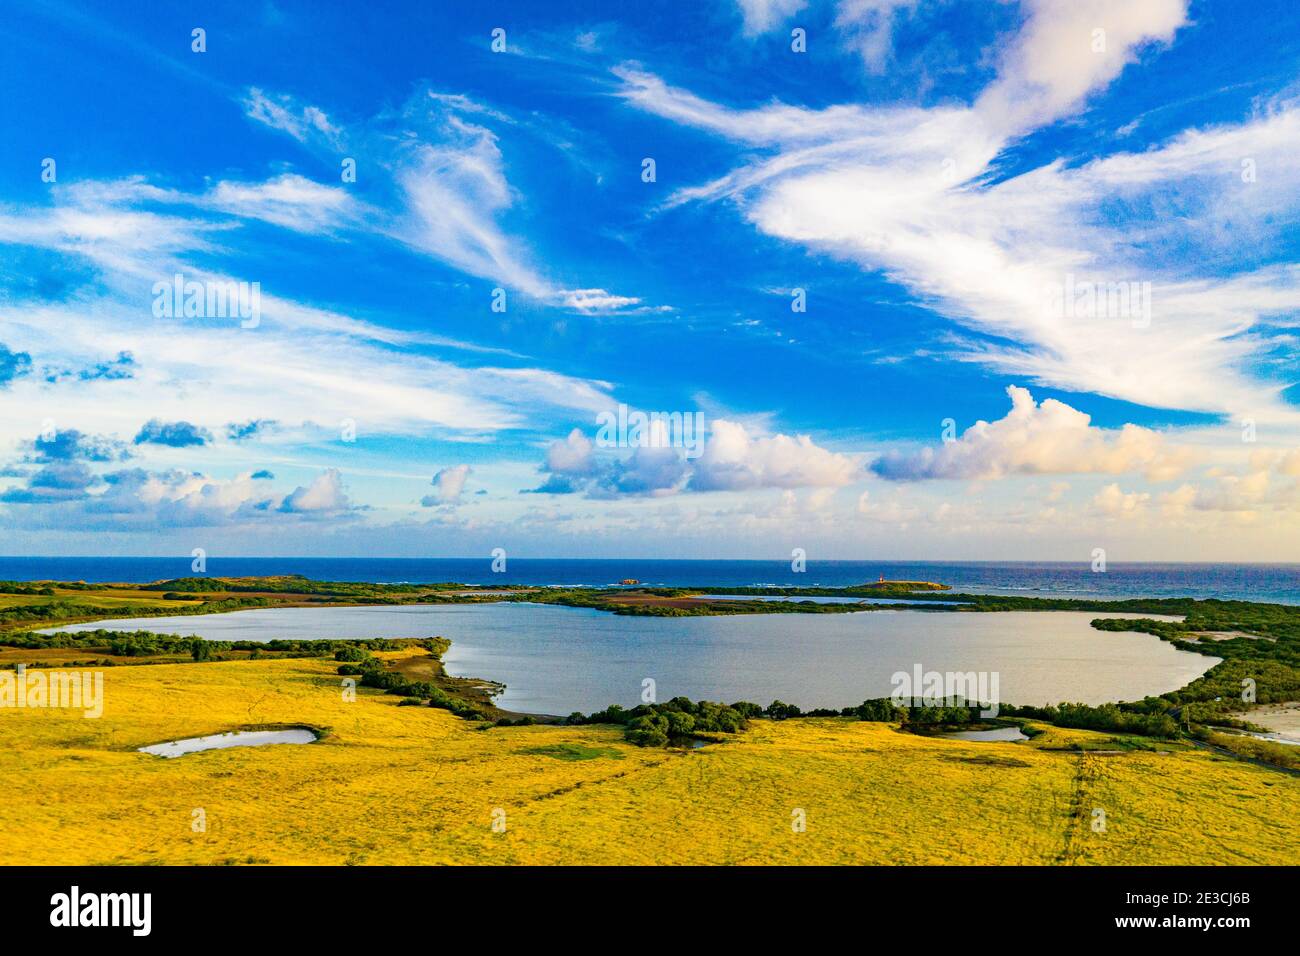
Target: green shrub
x=881, y=709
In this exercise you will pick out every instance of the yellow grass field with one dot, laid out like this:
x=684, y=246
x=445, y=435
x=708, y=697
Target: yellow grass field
x=416, y=785
x=106, y=598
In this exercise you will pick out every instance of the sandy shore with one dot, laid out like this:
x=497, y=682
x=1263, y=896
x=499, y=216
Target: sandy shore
x=1281, y=719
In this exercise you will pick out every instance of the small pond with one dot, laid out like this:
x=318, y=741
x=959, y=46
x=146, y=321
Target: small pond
x=235, y=738
x=997, y=733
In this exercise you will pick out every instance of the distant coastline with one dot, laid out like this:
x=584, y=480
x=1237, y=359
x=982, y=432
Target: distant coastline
x=1277, y=583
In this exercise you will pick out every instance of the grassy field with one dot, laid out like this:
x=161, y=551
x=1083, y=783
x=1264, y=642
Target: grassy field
x=105, y=597
x=392, y=784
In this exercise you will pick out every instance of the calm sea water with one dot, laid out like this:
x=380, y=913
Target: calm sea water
x=556, y=660
x=1252, y=582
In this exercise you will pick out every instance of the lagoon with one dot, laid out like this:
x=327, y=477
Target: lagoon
x=555, y=660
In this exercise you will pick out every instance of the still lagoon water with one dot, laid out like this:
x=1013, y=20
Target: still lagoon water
x=555, y=660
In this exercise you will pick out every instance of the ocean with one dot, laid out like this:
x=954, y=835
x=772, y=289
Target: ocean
x=1252, y=582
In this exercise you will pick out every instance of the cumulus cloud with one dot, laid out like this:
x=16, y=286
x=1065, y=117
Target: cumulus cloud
x=572, y=456
x=253, y=428
x=71, y=445
x=569, y=466
x=179, y=498
x=1248, y=493
x=733, y=459
x=649, y=470
x=1282, y=462
x=1115, y=503
x=114, y=370
x=63, y=481
x=450, y=483
x=1050, y=438
x=324, y=496
x=172, y=434
x=70, y=493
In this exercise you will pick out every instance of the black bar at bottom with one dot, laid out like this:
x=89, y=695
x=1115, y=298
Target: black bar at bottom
x=486, y=906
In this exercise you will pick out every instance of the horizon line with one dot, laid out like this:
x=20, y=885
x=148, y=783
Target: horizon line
x=312, y=557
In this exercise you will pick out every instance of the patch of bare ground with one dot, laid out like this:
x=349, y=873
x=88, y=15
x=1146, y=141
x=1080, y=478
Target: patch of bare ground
x=1282, y=719
x=1197, y=637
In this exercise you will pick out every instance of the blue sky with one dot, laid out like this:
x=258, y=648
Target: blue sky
x=938, y=178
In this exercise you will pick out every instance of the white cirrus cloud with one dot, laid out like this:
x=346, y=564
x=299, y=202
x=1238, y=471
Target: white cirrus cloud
x=306, y=367
x=868, y=27
x=916, y=195
x=1065, y=51
x=450, y=190
x=760, y=16
x=289, y=200
x=286, y=114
